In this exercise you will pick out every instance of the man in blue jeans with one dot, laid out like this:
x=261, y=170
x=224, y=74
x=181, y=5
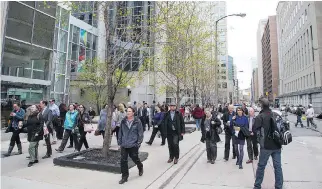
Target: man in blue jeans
x=268, y=147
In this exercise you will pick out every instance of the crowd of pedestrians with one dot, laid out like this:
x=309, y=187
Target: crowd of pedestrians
x=48, y=121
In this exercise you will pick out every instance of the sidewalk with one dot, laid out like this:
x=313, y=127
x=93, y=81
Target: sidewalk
x=192, y=171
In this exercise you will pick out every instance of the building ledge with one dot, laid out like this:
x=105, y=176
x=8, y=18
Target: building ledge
x=14, y=79
x=303, y=92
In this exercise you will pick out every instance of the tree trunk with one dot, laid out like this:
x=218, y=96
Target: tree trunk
x=178, y=94
x=109, y=80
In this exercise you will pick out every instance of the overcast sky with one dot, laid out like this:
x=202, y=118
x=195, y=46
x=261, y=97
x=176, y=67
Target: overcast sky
x=242, y=33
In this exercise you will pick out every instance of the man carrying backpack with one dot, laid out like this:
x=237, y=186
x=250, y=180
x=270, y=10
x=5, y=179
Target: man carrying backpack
x=265, y=127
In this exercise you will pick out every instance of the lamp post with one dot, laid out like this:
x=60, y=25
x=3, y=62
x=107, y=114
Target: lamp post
x=216, y=53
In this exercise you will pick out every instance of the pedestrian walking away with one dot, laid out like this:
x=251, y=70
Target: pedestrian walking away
x=252, y=144
x=142, y=114
x=264, y=126
x=158, y=126
x=227, y=118
x=209, y=130
x=130, y=139
x=47, y=117
x=120, y=115
x=174, y=129
x=16, y=119
x=71, y=128
x=102, y=121
x=299, y=114
x=239, y=126
x=63, y=110
x=198, y=114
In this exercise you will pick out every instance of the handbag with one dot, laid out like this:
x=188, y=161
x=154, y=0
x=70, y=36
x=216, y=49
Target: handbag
x=303, y=117
x=89, y=128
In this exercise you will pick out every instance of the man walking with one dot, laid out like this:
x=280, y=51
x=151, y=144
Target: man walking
x=142, y=114
x=55, y=122
x=264, y=127
x=310, y=116
x=299, y=116
x=47, y=117
x=227, y=118
x=129, y=139
x=252, y=144
x=174, y=129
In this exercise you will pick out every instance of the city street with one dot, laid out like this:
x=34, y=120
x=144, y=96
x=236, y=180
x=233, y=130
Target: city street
x=302, y=167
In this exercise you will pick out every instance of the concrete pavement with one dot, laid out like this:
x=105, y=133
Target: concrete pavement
x=302, y=167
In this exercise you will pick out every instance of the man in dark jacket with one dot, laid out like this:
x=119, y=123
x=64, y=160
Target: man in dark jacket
x=227, y=118
x=142, y=114
x=245, y=109
x=264, y=127
x=252, y=144
x=129, y=139
x=47, y=117
x=299, y=116
x=174, y=128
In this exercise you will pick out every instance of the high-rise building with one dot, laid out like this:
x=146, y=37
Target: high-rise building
x=270, y=59
x=300, y=52
x=260, y=31
x=230, y=88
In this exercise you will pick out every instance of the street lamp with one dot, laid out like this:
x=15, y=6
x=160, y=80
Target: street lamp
x=216, y=52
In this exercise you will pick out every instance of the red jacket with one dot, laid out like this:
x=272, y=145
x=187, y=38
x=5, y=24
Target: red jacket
x=182, y=111
x=198, y=113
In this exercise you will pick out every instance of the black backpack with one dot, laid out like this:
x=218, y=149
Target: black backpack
x=278, y=132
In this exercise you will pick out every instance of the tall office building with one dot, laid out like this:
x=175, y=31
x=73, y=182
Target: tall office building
x=300, y=54
x=270, y=59
x=260, y=31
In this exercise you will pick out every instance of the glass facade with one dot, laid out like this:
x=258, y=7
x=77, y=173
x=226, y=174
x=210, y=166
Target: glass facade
x=82, y=47
x=86, y=11
x=28, y=51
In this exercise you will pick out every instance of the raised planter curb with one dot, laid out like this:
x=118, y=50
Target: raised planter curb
x=68, y=161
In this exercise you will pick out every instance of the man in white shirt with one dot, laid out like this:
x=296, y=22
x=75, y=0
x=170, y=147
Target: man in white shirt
x=310, y=116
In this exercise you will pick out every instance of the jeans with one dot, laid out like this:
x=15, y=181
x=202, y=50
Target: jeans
x=252, y=147
x=211, y=147
x=154, y=133
x=33, y=151
x=299, y=120
x=82, y=140
x=263, y=158
x=239, y=153
x=173, y=145
x=15, y=138
x=134, y=155
x=48, y=144
x=229, y=137
x=198, y=121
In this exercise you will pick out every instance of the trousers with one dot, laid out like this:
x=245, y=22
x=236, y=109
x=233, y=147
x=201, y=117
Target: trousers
x=67, y=133
x=154, y=133
x=252, y=147
x=33, y=151
x=228, y=138
x=211, y=147
x=134, y=155
x=173, y=145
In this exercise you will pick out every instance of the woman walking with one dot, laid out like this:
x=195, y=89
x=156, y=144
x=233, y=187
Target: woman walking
x=120, y=115
x=70, y=126
x=239, y=126
x=102, y=121
x=84, y=118
x=62, y=110
x=209, y=127
x=34, y=125
x=157, y=126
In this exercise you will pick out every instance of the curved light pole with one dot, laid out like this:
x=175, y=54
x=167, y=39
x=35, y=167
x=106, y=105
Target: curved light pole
x=216, y=53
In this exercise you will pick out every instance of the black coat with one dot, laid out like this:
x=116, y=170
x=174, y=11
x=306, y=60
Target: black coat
x=34, y=126
x=213, y=129
x=82, y=120
x=179, y=123
x=225, y=119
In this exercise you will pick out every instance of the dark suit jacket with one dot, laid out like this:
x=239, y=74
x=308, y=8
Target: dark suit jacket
x=253, y=124
x=47, y=116
x=179, y=123
x=144, y=112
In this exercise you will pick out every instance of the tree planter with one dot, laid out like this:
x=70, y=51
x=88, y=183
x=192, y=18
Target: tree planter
x=93, y=159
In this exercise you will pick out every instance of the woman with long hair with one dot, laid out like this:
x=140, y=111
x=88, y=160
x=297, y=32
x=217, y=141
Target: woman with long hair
x=239, y=121
x=34, y=125
x=83, y=119
x=70, y=126
x=120, y=115
x=62, y=110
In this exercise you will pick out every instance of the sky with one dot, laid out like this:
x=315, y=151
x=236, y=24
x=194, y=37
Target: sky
x=242, y=33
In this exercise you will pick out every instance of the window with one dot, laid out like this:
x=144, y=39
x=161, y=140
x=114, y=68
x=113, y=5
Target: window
x=20, y=18
x=62, y=41
x=48, y=7
x=43, y=30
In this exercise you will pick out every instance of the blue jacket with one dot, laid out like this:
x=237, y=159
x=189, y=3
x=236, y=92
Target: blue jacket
x=18, y=117
x=103, y=120
x=71, y=120
x=240, y=121
x=157, y=118
x=130, y=137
